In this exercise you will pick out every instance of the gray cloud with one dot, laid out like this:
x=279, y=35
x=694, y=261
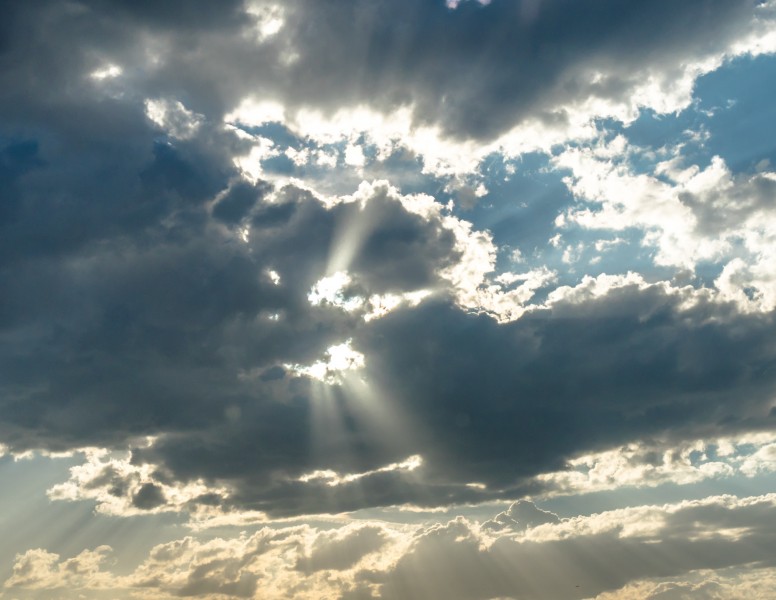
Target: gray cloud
x=237, y=203
x=475, y=71
x=546, y=385
x=166, y=333
x=164, y=322
x=131, y=306
x=149, y=496
x=539, y=391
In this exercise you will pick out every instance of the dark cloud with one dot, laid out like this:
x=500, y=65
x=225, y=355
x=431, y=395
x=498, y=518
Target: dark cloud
x=496, y=404
x=132, y=307
x=166, y=323
x=497, y=399
x=475, y=71
x=148, y=496
x=478, y=70
x=197, y=15
x=15, y=159
x=166, y=332
x=238, y=202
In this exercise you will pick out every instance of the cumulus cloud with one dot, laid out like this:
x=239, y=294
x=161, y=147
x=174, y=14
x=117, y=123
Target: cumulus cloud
x=520, y=515
x=595, y=554
x=650, y=550
x=689, y=214
x=41, y=570
x=342, y=549
x=705, y=585
x=122, y=489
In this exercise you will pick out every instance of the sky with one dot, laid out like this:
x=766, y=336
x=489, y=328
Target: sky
x=388, y=299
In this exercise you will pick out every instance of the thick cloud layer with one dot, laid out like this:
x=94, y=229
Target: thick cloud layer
x=643, y=551
x=485, y=403
x=158, y=295
x=476, y=71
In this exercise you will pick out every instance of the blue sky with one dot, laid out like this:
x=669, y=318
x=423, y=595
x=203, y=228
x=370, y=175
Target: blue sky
x=413, y=299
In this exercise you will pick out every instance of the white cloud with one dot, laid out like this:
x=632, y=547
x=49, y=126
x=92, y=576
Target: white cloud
x=107, y=72
x=273, y=276
x=727, y=584
x=381, y=304
x=269, y=19
x=651, y=464
x=689, y=214
x=339, y=359
x=354, y=156
x=524, y=552
x=249, y=163
x=255, y=112
x=172, y=116
x=332, y=478
x=37, y=569
x=121, y=488
x=331, y=290
x=575, y=298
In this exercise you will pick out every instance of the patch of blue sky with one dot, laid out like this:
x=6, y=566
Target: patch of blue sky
x=275, y=131
x=595, y=252
x=401, y=168
x=654, y=132
x=524, y=198
x=404, y=169
x=732, y=116
x=279, y=164
x=706, y=272
x=29, y=519
x=740, y=99
x=520, y=208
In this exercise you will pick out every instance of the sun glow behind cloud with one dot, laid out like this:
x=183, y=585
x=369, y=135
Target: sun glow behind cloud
x=339, y=358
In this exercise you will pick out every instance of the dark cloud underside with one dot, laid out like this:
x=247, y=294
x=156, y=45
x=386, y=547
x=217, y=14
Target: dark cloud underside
x=136, y=263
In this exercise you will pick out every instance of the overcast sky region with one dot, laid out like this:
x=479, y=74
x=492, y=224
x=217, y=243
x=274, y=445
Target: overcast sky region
x=388, y=299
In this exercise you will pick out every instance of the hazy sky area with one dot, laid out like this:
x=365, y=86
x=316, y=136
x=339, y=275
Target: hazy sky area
x=388, y=299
